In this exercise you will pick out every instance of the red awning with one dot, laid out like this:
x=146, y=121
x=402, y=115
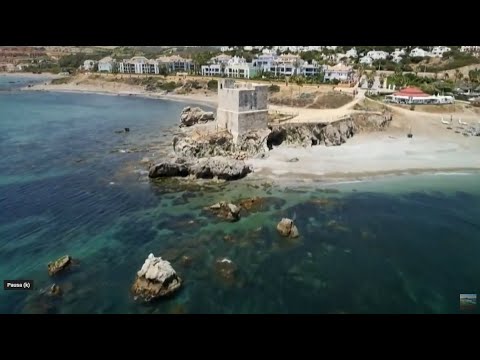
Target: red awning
x=411, y=92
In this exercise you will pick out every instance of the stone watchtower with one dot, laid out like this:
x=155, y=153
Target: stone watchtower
x=241, y=107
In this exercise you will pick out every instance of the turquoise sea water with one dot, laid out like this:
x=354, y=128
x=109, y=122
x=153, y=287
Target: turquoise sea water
x=407, y=244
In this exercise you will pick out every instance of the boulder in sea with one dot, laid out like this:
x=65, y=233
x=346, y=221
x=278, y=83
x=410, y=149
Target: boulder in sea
x=58, y=265
x=55, y=290
x=225, y=211
x=191, y=116
x=253, y=204
x=287, y=228
x=155, y=279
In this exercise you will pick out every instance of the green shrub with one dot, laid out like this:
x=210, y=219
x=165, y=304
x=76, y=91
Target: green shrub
x=195, y=84
x=212, y=85
x=63, y=80
x=168, y=86
x=274, y=88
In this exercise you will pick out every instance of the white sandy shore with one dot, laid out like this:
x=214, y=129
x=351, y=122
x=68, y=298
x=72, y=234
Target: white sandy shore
x=367, y=155
x=210, y=101
x=29, y=75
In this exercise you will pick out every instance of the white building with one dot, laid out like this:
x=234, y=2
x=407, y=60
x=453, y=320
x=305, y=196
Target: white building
x=88, y=65
x=438, y=51
x=286, y=65
x=352, y=53
x=366, y=60
x=398, y=52
x=338, y=72
x=176, y=63
x=417, y=52
x=264, y=62
x=413, y=95
x=106, y=64
x=377, y=55
x=248, y=48
x=220, y=59
x=470, y=49
x=312, y=69
x=138, y=65
x=240, y=70
x=212, y=70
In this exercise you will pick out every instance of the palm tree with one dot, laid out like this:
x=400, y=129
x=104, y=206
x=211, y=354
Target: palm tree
x=457, y=74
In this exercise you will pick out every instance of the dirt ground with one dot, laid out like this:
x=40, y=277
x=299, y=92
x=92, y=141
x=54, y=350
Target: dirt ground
x=314, y=97
x=457, y=108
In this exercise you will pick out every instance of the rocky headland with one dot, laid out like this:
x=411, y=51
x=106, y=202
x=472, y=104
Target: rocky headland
x=200, y=151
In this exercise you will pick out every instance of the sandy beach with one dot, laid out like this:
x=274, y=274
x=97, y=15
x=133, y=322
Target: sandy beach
x=30, y=75
x=122, y=89
x=432, y=148
x=368, y=155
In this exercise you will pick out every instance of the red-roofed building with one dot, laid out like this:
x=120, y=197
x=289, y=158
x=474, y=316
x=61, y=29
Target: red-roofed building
x=413, y=95
x=411, y=92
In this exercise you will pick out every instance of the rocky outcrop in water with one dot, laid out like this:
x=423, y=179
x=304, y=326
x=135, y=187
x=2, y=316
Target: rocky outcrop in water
x=55, y=290
x=216, y=144
x=225, y=210
x=207, y=168
x=156, y=279
x=221, y=144
x=58, y=265
x=287, y=228
x=191, y=116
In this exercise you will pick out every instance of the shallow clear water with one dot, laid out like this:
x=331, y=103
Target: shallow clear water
x=405, y=244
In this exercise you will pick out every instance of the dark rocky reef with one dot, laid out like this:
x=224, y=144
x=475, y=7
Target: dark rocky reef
x=224, y=210
x=206, y=168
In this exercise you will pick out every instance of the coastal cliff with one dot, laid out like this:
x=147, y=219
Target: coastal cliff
x=203, y=152
x=328, y=134
x=253, y=143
